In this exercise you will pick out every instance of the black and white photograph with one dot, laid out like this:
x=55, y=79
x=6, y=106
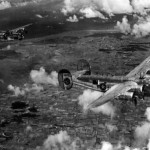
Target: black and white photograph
x=74, y=74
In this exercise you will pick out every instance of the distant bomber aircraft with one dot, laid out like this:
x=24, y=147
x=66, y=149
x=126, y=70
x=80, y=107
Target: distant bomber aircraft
x=130, y=87
x=13, y=34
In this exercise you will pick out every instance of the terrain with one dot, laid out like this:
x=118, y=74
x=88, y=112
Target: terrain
x=53, y=109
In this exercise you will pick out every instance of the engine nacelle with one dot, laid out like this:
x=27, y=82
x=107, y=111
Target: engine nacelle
x=65, y=79
x=102, y=86
x=138, y=91
x=126, y=96
x=129, y=96
x=139, y=88
x=21, y=31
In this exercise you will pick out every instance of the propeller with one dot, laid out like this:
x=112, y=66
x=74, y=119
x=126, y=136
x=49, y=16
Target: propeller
x=65, y=79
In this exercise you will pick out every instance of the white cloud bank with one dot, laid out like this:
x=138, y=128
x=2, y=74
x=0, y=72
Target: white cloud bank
x=73, y=19
x=139, y=29
x=108, y=6
x=4, y=4
x=91, y=13
x=140, y=6
x=142, y=27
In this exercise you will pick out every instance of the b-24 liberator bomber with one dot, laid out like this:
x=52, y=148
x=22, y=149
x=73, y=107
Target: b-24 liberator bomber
x=130, y=87
x=13, y=34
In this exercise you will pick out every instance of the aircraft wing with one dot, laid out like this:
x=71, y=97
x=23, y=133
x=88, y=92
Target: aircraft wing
x=112, y=93
x=22, y=27
x=140, y=70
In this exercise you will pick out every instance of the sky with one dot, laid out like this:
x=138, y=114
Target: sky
x=128, y=16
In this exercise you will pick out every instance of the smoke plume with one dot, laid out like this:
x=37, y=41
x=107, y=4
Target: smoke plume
x=63, y=141
x=142, y=132
x=54, y=140
x=60, y=141
x=16, y=90
x=21, y=91
x=43, y=78
x=89, y=96
x=124, y=26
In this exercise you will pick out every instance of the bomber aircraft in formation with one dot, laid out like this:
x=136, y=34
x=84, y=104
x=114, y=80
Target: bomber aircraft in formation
x=13, y=34
x=130, y=87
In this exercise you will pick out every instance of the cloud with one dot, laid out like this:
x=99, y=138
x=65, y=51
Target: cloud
x=124, y=26
x=29, y=129
x=25, y=2
x=89, y=96
x=108, y=6
x=63, y=141
x=73, y=19
x=33, y=88
x=141, y=6
x=4, y=4
x=42, y=77
x=142, y=27
x=39, y=16
x=91, y=13
x=106, y=146
x=139, y=29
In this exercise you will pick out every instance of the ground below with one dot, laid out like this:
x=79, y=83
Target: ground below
x=56, y=110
